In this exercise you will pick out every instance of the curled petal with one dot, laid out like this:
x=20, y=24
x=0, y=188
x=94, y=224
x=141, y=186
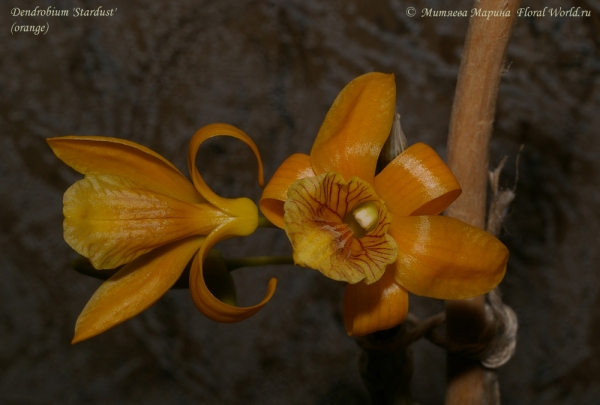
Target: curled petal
x=112, y=222
x=445, y=258
x=206, y=302
x=371, y=308
x=274, y=195
x=314, y=222
x=417, y=182
x=231, y=206
x=356, y=127
x=135, y=287
x=132, y=162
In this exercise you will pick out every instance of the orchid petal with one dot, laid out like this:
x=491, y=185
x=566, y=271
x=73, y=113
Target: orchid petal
x=417, y=182
x=274, y=195
x=444, y=258
x=234, y=207
x=113, y=222
x=356, y=127
x=133, y=162
x=135, y=287
x=206, y=302
x=378, y=306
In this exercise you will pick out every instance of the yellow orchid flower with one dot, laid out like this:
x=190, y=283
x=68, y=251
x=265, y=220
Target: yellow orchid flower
x=134, y=208
x=381, y=234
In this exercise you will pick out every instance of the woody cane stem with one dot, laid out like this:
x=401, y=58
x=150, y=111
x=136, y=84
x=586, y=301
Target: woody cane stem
x=468, y=149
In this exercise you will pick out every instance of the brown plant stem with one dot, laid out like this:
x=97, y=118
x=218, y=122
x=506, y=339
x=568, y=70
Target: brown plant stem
x=468, y=149
x=386, y=366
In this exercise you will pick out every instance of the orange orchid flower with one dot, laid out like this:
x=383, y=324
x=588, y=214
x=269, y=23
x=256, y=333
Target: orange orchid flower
x=134, y=208
x=380, y=233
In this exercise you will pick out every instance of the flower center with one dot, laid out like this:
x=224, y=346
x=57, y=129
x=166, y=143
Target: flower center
x=339, y=228
x=363, y=218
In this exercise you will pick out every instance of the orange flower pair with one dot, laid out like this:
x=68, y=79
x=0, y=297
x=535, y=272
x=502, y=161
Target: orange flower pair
x=380, y=234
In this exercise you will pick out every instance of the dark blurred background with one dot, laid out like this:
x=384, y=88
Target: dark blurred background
x=157, y=71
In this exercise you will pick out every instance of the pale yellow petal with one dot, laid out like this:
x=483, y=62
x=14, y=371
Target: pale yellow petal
x=445, y=258
x=378, y=306
x=134, y=288
x=356, y=127
x=132, y=162
x=314, y=222
x=417, y=182
x=112, y=222
x=205, y=301
x=274, y=195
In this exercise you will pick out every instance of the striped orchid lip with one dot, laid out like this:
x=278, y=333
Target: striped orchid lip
x=339, y=228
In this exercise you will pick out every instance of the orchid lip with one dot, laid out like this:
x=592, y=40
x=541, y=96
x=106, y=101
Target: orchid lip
x=339, y=228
